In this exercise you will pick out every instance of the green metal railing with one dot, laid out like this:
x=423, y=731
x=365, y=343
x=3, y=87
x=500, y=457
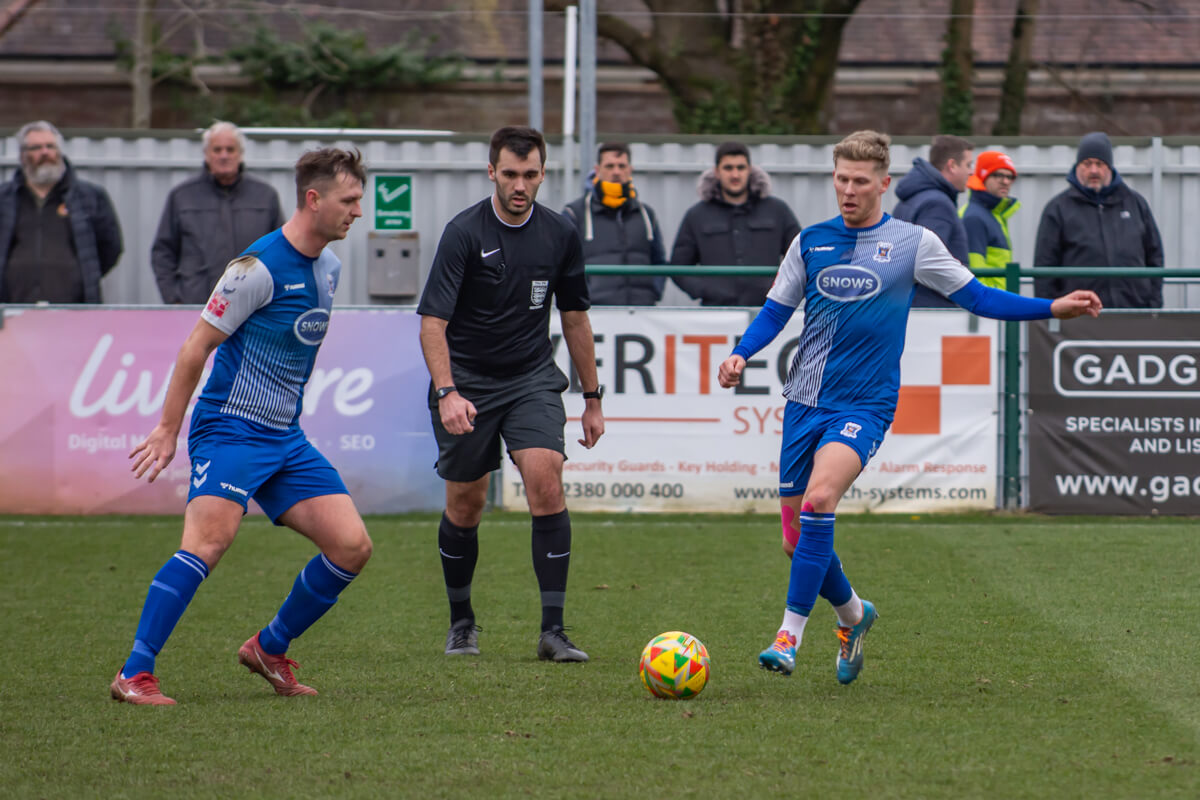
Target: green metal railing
x=1011, y=381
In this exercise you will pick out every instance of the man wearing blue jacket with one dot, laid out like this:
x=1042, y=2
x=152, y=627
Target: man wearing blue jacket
x=929, y=198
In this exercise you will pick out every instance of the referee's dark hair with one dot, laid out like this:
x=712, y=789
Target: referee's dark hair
x=519, y=140
x=318, y=167
x=732, y=149
x=945, y=147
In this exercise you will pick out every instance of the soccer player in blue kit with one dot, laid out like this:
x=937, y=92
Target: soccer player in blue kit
x=266, y=319
x=856, y=275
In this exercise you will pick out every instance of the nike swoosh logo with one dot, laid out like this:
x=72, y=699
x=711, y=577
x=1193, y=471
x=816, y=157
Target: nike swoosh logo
x=268, y=672
x=486, y=253
x=447, y=555
x=558, y=555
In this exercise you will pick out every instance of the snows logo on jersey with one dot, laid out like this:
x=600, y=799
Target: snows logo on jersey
x=848, y=283
x=310, y=327
x=537, y=293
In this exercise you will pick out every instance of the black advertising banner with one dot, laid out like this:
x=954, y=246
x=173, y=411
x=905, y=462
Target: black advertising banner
x=1114, y=417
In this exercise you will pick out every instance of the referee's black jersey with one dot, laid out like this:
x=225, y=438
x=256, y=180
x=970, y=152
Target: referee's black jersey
x=493, y=283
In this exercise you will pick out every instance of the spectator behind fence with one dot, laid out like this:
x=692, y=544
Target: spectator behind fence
x=210, y=218
x=929, y=198
x=59, y=234
x=618, y=228
x=1099, y=222
x=736, y=224
x=986, y=214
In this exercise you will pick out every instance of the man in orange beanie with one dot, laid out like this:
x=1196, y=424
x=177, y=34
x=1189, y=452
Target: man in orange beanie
x=985, y=216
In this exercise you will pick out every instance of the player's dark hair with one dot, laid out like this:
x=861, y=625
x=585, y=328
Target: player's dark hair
x=946, y=147
x=732, y=149
x=316, y=168
x=518, y=140
x=620, y=148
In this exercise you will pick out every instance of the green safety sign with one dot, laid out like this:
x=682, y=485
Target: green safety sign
x=393, y=203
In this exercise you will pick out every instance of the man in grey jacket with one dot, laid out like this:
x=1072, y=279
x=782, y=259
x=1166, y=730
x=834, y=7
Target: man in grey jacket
x=618, y=228
x=736, y=223
x=210, y=219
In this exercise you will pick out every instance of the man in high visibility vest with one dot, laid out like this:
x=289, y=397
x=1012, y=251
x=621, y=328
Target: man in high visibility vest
x=985, y=216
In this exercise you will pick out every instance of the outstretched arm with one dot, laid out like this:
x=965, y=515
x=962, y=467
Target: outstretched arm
x=999, y=304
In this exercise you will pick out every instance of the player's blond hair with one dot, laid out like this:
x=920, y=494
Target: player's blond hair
x=865, y=146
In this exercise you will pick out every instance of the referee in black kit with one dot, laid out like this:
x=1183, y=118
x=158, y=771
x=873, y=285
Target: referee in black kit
x=485, y=316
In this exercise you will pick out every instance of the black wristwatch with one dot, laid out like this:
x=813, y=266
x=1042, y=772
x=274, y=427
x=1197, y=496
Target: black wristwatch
x=443, y=391
x=596, y=395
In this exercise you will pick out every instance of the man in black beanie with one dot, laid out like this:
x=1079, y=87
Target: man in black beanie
x=1099, y=221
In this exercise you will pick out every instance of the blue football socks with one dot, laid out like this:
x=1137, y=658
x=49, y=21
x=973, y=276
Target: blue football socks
x=810, y=562
x=314, y=592
x=836, y=587
x=170, y=592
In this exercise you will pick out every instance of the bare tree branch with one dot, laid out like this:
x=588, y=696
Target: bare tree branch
x=12, y=13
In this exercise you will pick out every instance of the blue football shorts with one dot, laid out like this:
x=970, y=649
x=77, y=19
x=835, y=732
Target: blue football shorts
x=806, y=430
x=238, y=459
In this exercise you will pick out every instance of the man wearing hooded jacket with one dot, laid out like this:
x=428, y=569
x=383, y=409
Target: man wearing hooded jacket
x=618, y=228
x=736, y=223
x=929, y=197
x=1098, y=221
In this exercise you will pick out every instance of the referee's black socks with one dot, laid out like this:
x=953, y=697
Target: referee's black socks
x=551, y=559
x=459, y=549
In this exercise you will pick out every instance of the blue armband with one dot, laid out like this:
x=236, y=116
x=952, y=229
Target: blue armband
x=765, y=327
x=999, y=304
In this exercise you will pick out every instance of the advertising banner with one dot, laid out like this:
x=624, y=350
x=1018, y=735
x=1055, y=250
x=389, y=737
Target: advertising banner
x=1114, y=419
x=82, y=387
x=676, y=441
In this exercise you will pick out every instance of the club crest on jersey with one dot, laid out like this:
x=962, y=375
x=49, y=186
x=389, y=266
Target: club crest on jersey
x=883, y=251
x=850, y=430
x=848, y=283
x=537, y=293
x=310, y=327
x=330, y=285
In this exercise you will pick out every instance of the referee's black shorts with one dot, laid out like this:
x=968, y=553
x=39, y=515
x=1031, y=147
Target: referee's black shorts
x=524, y=410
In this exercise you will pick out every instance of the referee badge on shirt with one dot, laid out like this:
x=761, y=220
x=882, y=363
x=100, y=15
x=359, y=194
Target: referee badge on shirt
x=537, y=293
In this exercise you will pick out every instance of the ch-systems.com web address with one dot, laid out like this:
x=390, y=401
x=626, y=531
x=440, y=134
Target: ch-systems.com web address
x=1158, y=488
x=875, y=494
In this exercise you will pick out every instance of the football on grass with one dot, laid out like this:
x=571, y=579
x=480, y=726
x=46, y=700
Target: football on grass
x=674, y=665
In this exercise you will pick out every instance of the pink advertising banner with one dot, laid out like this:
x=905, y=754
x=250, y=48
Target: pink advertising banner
x=81, y=387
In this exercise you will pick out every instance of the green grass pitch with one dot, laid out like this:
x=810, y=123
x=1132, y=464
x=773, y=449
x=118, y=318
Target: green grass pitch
x=1015, y=657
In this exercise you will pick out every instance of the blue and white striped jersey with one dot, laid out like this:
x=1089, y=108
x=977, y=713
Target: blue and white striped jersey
x=857, y=285
x=274, y=302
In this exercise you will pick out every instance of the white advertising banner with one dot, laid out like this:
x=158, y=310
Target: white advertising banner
x=676, y=441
